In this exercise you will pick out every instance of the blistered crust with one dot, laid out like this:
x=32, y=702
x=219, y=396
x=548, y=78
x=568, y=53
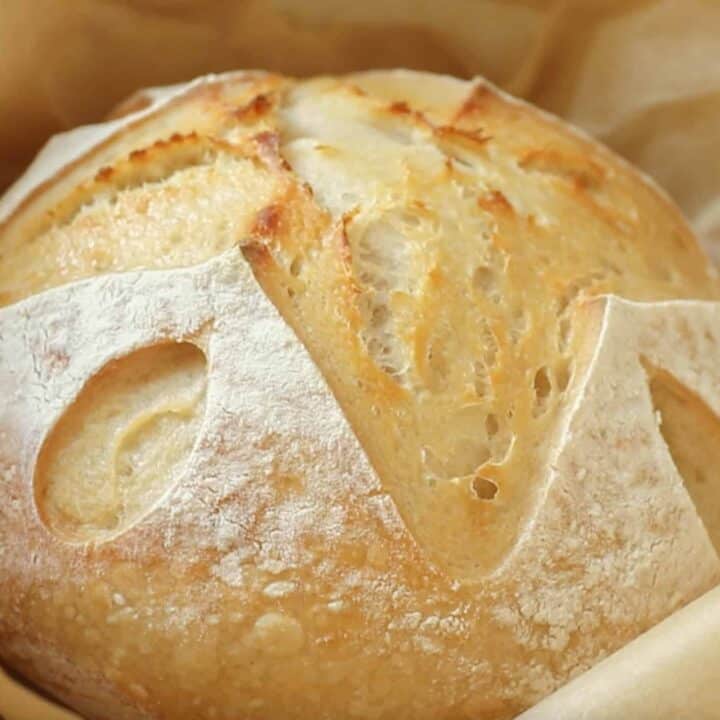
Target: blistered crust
x=428, y=481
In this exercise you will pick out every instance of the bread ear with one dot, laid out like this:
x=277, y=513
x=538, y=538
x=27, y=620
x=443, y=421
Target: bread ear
x=612, y=477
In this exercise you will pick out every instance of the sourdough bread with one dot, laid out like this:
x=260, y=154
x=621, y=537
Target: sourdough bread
x=342, y=398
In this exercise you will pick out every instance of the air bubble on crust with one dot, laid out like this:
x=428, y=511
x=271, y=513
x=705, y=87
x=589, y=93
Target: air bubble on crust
x=382, y=260
x=542, y=389
x=483, y=488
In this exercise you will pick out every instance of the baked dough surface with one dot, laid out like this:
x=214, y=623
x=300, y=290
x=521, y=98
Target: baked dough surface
x=323, y=401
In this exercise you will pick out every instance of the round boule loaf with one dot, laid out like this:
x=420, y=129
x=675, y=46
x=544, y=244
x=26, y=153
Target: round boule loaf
x=339, y=398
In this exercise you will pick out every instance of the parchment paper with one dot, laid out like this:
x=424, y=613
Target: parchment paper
x=671, y=672
x=642, y=75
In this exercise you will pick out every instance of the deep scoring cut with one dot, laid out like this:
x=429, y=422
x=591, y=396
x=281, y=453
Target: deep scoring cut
x=616, y=332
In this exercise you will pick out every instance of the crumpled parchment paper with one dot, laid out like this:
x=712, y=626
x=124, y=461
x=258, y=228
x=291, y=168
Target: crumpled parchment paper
x=642, y=75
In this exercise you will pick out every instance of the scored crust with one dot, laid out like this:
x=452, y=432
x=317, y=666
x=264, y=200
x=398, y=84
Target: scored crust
x=435, y=247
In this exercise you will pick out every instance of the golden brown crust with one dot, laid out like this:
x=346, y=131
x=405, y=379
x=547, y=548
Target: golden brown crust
x=434, y=253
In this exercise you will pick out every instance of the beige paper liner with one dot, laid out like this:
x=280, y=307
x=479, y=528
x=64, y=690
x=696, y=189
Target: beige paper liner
x=672, y=672
x=17, y=703
x=642, y=75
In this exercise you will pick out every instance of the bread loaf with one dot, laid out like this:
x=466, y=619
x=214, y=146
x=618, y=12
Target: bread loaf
x=357, y=397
